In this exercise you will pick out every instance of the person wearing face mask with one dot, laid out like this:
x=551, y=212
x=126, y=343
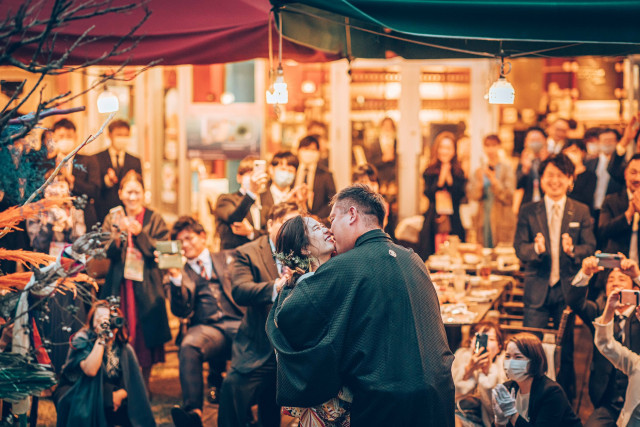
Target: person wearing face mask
x=114, y=163
x=476, y=370
x=282, y=172
x=239, y=215
x=584, y=182
x=527, y=173
x=530, y=398
x=592, y=144
x=607, y=382
x=134, y=275
x=81, y=173
x=316, y=178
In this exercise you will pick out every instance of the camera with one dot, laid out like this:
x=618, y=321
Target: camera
x=609, y=260
x=629, y=297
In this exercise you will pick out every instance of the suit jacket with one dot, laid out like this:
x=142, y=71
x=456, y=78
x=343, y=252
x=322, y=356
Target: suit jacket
x=109, y=195
x=616, y=172
x=548, y=405
x=602, y=371
x=324, y=188
x=340, y=327
x=184, y=298
x=613, y=229
x=254, y=273
x=87, y=181
x=532, y=220
x=230, y=208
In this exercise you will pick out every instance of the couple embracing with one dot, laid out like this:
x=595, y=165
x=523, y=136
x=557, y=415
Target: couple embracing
x=359, y=338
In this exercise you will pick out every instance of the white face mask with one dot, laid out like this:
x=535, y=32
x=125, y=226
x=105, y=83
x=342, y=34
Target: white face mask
x=593, y=148
x=121, y=143
x=607, y=148
x=283, y=178
x=308, y=157
x=65, y=146
x=516, y=369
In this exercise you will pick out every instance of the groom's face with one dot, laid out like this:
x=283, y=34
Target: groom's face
x=340, y=221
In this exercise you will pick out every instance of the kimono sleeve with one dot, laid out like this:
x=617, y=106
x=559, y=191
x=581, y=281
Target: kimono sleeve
x=307, y=350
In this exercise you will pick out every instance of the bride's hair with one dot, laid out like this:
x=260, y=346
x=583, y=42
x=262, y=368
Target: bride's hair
x=292, y=242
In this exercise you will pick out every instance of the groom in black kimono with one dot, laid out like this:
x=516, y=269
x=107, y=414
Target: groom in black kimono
x=368, y=319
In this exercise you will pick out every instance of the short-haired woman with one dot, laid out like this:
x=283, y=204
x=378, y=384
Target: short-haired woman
x=530, y=398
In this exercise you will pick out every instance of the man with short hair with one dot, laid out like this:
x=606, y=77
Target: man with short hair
x=282, y=171
x=528, y=171
x=201, y=293
x=81, y=173
x=239, y=215
x=368, y=320
x=618, y=222
x=607, y=385
x=114, y=163
x=315, y=177
x=557, y=135
x=252, y=377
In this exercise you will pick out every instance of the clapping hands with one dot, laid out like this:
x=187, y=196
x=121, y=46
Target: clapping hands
x=504, y=404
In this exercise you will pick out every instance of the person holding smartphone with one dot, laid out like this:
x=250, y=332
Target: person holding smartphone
x=607, y=383
x=476, y=370
x=622, y=358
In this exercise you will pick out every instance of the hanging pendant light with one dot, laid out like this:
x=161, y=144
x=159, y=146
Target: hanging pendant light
x=501, y=91
x=108, y=101
x=277, y=93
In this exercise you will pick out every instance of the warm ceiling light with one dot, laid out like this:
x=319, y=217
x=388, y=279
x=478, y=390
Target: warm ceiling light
x=227, y=98
x=501, y=91
x=308, y=86
x=108, y=102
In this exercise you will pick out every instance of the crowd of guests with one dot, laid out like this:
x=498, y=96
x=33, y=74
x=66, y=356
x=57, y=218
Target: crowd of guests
x=246, y=309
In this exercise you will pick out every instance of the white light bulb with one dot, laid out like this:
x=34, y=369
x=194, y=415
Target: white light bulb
x=501, y=92
x=108, y=102
x=227, y=98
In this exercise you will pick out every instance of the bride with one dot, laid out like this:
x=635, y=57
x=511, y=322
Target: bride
x=302, y=245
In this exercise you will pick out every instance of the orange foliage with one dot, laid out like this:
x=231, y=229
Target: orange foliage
x=15, y=281
x=11, y=217
x=25, y=257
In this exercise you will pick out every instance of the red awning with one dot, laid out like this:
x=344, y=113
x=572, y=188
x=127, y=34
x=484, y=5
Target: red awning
x=177, y=32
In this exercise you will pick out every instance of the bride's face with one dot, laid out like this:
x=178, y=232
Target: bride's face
x=320, y=238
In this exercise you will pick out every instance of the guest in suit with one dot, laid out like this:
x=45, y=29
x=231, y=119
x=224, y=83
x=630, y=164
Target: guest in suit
x=238, y=216
x=553, y=236
x=538, y=401
x=592, y=143
x=557, y=135
x=317, y=178
x=607, y=167
x=321, y=132
x=114, y=163
x=618, y=223
x=622, y=358
x=528, y=170
x=381, y=153
x=252, y=378
x=282, y=171
x=493, y=187
x=584, y=184
x=83, y=174
x=607, y=384
x=444, y=186
x=134, y=275
x=201, y=293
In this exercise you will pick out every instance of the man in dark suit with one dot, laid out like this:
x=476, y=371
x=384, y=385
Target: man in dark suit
x=607, y=385
x=552, y=238
x=317, y=178
x=618, y=223
x=238, y=216
x=114, y=163
x=528, y=170
x=201, y=293
x=282, y=172
x=82, y=174
x=252, y=378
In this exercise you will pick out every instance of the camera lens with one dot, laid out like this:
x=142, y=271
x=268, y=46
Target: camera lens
x=117, y=322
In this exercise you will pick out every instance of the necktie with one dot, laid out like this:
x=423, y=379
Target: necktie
x=633, y=247
x=618, y=329
x=203, y=271
x=305, y=175
x=554, y=237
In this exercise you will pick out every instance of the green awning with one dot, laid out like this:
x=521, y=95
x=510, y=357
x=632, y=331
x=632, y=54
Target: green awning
x=420, y=29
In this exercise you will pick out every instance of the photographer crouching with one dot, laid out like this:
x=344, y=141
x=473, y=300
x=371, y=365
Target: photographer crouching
x=101, y=382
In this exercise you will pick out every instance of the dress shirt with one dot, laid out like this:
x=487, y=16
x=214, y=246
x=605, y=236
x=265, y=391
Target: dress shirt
x=117, y=158
x=548, y=205
x=274, y=294
x=310, y=171
x=254, y=211
x=603, y=181
x=205, y=258
x=278, y=195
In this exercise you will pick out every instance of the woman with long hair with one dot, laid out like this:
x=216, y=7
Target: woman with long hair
x=134, y=275
x=101, y=382
x=304, y=244
x=444, y=185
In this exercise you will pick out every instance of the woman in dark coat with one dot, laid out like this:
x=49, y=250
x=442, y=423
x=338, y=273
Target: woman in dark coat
x=444, y=185
x=101, y=383
x=134, y=275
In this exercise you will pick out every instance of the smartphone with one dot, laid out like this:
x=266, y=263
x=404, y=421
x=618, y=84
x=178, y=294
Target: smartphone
x=170, y=254
x=117, y=214
x=609, y=260
x=259, y=166
x=481, y=342
x=628, y=297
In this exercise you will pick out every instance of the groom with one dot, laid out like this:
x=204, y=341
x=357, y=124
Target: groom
x=368, y=319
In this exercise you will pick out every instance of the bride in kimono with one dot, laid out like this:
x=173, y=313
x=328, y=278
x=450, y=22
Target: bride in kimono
x=302, y=245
